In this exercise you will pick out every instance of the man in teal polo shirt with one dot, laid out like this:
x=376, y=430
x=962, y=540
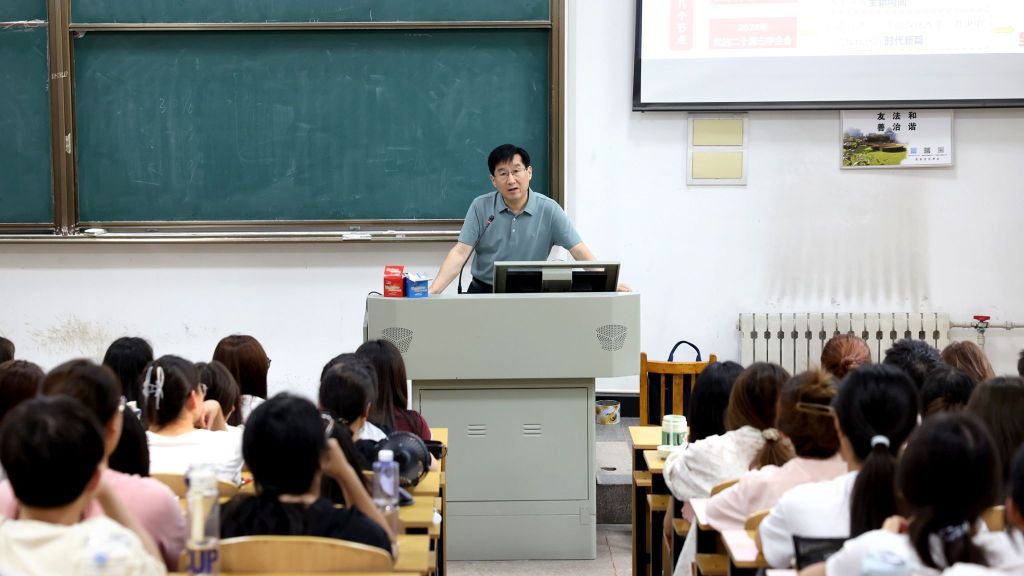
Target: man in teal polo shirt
x=512, y=223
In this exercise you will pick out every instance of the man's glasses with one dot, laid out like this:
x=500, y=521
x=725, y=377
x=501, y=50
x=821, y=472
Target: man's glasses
x=516, y=173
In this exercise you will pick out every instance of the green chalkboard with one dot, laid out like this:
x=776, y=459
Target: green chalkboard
x=26, y=193
x=303, y=125
x=120, y=11
x=18, y=10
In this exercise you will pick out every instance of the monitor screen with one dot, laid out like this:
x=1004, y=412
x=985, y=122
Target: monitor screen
x=533, y=277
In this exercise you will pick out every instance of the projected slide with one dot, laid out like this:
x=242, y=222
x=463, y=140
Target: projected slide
x=894, y=42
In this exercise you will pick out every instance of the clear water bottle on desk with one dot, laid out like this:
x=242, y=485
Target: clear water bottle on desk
x=203, y=542
x=385, y=487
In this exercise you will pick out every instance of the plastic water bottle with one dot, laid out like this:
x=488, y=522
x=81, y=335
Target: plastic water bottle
x=385, y=487
x=203, y=542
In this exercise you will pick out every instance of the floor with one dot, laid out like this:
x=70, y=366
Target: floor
x=614, y=558
x=614, y=541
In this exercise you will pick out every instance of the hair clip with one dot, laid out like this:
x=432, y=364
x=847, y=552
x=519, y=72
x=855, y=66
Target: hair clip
x=817, y=409
x=879, y=440
x=770, y=434
x=954, y=533
x=151, y=389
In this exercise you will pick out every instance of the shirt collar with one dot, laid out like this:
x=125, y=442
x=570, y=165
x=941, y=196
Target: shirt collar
x=530, y=207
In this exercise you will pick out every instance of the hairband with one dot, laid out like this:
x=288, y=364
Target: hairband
x=154, y=389
x=879, y=440
x=770, y=434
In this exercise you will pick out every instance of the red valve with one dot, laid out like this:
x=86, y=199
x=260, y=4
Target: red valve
x=981, y=318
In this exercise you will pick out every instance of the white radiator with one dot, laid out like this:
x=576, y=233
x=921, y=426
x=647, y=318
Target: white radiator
x=795, y=340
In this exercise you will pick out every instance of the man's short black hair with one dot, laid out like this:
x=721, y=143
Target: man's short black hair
x=505, y=153
x=282, y=444
x=50, y=447
x=915, y=357
x=6, y=350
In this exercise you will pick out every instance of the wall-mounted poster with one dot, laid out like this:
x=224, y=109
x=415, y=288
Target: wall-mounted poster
x=903, y=138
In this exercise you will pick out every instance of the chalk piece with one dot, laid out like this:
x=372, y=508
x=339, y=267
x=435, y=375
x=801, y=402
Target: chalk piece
x=717, y=132
x=95, y=231
x=717, y=165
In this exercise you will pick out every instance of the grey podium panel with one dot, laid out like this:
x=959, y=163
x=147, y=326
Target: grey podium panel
x=567, y=335
x=526, y=437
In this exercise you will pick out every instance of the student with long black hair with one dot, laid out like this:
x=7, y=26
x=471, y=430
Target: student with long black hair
x=390, y=410
x=948, y=475
x=875, y=409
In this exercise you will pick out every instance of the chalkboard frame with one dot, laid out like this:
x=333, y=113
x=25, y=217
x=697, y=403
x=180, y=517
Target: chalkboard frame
x=68, y=226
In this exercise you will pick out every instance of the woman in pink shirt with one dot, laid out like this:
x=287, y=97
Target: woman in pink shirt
x=804, y=418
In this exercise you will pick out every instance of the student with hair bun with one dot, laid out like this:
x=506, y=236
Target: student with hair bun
x=843, y=353
x=943, y=525
x=805, y=421
x=751, y=441
x=875, y=408
x=184, y=428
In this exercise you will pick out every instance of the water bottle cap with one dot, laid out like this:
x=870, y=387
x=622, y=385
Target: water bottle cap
x=386, y=456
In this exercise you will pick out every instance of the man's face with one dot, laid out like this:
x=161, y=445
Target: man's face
x=512, y=180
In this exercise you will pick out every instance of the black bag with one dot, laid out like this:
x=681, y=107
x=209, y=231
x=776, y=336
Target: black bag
x=656, y=394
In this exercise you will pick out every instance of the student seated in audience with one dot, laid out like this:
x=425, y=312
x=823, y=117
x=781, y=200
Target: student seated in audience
x=390, y=409
x=362, y=428
x=705, y=415
x=131, y=456
x=6, y=350
x=875, y=410
x=128, y=357
x=183, y=428
x=220, y=386
x=948, y=475
x=750, y=442
x=148, y=501
x=843, y=353
x=52, y=448
x=999, y=404
x=946, y=389
x=915, y=357
x=345, y=398
x=287, y=451
x=1020, y=364
x=970, y=358
x=19, y=381
x=805, y=420
x=248, y=363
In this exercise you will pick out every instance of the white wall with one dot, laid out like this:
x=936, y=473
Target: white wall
x=801, y=236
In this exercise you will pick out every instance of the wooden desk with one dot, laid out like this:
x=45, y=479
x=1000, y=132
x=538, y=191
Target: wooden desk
x=744, y=558
x=641, y=439
x=429, y=486
x=441, y=435
x=415, y=554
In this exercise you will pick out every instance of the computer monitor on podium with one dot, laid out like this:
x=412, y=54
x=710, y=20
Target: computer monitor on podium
x=543, y=276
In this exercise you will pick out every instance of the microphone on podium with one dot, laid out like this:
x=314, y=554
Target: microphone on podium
x=473, y=249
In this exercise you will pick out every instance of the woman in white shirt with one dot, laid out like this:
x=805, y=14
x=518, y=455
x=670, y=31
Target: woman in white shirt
x=183, y=428
x=248, y=363
x=693, y=471
x=948, y=475
x=750, y=442
x=875, y=410
x=805, y=420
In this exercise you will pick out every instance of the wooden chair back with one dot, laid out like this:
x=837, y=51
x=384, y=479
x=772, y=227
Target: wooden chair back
x=673, y=382
x=723, y=485
x=296, y=554
x=995, y=518
x=754, y=520
x=176, y=482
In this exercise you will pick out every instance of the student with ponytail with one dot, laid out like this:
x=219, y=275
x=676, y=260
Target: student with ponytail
x=751, y=441
x=948, y=475
x=875, y=408
x=806, y=423
x=184, y=428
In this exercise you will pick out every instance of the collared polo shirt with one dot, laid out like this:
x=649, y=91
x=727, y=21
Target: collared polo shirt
x=527, y=236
